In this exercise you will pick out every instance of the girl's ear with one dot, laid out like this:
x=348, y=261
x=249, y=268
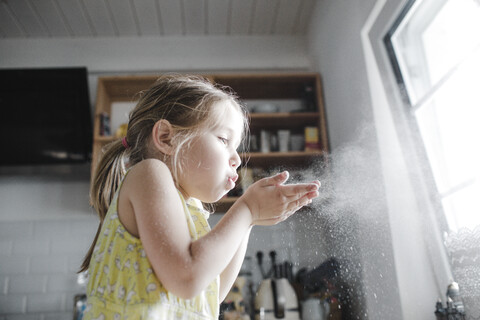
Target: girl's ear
x=162, y=136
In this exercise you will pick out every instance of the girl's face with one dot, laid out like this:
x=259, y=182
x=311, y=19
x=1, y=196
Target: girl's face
x=211, y=161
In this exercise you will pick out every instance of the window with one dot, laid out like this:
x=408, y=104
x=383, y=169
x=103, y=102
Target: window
x=435, y=49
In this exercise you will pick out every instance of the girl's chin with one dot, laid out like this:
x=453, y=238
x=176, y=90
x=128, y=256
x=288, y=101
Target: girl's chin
x=213, y=198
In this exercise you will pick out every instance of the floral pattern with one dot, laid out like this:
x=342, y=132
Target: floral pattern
x=122, y=284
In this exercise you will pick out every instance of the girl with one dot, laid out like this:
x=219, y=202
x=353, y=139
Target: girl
x=154, y=255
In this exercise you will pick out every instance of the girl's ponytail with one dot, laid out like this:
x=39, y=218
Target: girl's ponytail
x=186, y=103
x=108, y=176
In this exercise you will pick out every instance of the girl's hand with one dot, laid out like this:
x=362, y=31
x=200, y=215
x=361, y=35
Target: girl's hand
x=270, y=201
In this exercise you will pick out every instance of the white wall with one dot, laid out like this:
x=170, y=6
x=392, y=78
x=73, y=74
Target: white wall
x=337, y=53
x=133, y=55
x=403, y=269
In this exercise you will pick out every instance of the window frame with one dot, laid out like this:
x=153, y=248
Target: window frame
x=409, y=107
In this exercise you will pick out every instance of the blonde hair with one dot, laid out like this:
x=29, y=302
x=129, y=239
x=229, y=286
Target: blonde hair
x=186, y=103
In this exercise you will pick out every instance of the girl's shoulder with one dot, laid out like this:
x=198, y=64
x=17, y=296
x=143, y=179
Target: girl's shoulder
x=149, y=167
x=147, y=192
x=148, y=174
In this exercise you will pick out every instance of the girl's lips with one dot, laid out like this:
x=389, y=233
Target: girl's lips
x=231, y=182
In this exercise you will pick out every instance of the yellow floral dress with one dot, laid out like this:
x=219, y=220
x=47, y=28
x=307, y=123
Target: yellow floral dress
x=122, y=284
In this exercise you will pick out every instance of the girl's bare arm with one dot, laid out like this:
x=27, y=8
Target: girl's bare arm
x=228, y=276
x=186, y=267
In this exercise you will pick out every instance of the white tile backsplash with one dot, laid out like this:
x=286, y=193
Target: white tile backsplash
x=51, y=229
x=52, y=302
x=38, y=264
x=39, y=261
x=31, y=247
x=14, y=265
x=16, y=230
x=5, y=247
x=3, y=284
x=26, y=283
x=25, y=317
x=70, y=245
x=13, y=303
x=63, y=282
x=48, y=264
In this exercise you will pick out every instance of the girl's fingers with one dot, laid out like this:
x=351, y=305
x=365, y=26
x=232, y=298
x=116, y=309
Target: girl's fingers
x=295, y=190
x=277, y=179
x=291, y=208
x=295, y=205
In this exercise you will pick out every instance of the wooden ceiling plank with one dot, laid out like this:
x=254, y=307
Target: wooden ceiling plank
x=171, y=16
x=217, y=16
x=123, y=17
x=147, y=17
x=76, y=18
x=28, y=18
x=98, y=13
x=286, y=17
x=194, y=14
x=264, y=16
x=241, y=16
x=52, y=17
x=10, y=26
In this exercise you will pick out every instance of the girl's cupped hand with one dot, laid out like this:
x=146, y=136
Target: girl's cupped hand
x=271, y=201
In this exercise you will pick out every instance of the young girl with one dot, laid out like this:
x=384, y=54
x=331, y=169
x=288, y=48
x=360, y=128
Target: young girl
x=154, y=255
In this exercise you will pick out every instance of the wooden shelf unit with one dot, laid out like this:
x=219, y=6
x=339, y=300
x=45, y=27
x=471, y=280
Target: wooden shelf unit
x=279, y=86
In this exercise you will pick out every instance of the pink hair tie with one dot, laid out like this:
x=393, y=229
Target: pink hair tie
x=125, y=143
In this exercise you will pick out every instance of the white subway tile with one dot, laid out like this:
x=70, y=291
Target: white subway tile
x=84, y=227
x=12, y=303
x=48, y=264
x=3, y=284
x=52, y=229
x=5, y=248
x=25, y=317
x=69, y=246
x=37, y=302
x=74, y=262
x=27, y=284
x=58, y=316
x=16, y=230
x=62, y=283
x=32, y=247
x=14, y=265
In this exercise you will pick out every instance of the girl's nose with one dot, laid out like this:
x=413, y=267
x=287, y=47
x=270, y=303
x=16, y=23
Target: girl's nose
x=235, y=161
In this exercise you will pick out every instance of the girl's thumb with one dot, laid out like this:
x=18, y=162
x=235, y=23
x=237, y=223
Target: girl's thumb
x=279, y=178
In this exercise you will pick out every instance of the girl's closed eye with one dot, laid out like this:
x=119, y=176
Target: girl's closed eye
x=223, y=140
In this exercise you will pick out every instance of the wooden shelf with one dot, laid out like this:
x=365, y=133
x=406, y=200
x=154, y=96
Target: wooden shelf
x=284, y=115
x=105, y=139
x=283, y=120
x=281, y=159
x=281, y=155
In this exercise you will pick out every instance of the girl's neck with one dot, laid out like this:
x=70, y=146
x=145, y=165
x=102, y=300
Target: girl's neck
x=184, y=193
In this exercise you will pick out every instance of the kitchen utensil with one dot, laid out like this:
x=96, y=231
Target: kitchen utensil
x=315, y=309
x=276, y=299
x=260, y=264
x=273, y=257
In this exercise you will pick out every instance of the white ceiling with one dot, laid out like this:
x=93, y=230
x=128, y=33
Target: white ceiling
x=136, y=18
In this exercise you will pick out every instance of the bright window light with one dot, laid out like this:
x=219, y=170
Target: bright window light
x=437, y=47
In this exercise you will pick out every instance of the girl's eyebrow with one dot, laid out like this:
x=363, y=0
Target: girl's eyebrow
x=228, y=128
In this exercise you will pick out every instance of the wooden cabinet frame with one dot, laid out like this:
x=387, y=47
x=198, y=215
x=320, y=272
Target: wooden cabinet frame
x=247, y=86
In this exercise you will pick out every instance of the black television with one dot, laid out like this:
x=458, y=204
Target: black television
x=45, y=116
